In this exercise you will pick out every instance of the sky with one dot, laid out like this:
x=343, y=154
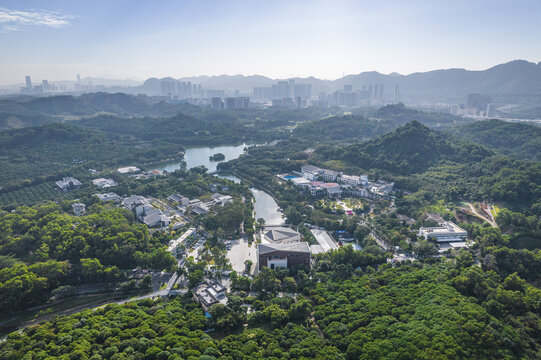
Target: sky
x=56, y=40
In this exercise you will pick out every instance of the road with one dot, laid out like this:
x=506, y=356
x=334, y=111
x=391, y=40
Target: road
x=482, y=217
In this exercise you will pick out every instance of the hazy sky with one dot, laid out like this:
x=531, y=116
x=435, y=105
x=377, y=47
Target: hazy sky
x=138, y=39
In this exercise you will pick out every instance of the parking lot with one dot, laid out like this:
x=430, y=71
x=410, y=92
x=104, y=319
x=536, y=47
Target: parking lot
x=239, y=253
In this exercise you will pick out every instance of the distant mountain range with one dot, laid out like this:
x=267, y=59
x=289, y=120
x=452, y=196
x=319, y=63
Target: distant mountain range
x=517, y=82
x=450, y=85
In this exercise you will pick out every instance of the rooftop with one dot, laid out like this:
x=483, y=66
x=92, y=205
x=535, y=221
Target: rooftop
x=300, y=247
x=280, y=234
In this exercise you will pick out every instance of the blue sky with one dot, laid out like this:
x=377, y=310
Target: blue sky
x=138, y=39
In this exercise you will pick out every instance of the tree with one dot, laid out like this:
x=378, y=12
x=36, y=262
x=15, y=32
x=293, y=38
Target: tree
x=248, y=266
x=195, y=277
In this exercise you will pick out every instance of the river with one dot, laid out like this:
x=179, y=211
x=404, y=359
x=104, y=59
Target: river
x=266, y=208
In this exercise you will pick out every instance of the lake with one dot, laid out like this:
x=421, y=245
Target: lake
x=227, y=176
x=198, y=156
x=266, y=208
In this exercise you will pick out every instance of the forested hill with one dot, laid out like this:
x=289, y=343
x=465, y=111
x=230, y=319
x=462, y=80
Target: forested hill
x=430, y=162
x=91, y=103
x=401, y=115
x=517, y=140
x=411, y=148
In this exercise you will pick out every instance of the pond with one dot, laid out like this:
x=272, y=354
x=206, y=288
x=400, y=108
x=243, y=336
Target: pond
x=266, y=208
x=198, y=156
x=227, y=176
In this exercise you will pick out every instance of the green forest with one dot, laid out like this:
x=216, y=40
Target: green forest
x=42, y=248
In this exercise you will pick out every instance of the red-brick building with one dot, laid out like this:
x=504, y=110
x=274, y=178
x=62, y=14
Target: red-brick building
x=283, y=255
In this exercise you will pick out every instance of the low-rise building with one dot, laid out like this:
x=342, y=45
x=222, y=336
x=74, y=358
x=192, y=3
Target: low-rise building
x=324, y=240
x=181, y=200
x=200, y=208
x=447, y=232
x=350, y=180
x=129, y=170
x=330, y=175
x=222, y=200
x=104, y=183
x=68, y=184
x=310, y=172
x=79, y=209
x=138, y=204
x=155, y=217
x=332, y=189
x=300, y=181
x=283, y=255
x=208, y=294
x=109, y=197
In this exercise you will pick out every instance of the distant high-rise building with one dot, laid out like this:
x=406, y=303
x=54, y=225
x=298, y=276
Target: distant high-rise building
x=168, y=87
x=216, y=103
x=45, y=85
x=397, y=94
x=381, y=92
x=491, y=110
x=78, y=78
x=28, y=83
x=348, y=87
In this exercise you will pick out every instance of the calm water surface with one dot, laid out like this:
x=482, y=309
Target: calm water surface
x=198, y=156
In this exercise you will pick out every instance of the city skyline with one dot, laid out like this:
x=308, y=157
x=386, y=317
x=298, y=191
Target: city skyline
x=125, y=40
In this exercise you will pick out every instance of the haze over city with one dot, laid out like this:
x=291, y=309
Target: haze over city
x=56, y=40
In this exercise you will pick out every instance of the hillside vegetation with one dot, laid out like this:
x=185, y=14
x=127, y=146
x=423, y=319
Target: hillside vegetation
x=516, y=140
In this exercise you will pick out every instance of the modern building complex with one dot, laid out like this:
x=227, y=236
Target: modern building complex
x=283, y=255
x=322, y=182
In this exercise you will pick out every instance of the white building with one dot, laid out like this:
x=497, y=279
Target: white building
x=310, y=172
x=129, y=170
x=104, y=183
x=109, y=197
x=350, y=180
x=300, y=181
x=447, y=232
x=330, y=175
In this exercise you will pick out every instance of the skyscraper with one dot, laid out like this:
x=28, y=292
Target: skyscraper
x=28, y=83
